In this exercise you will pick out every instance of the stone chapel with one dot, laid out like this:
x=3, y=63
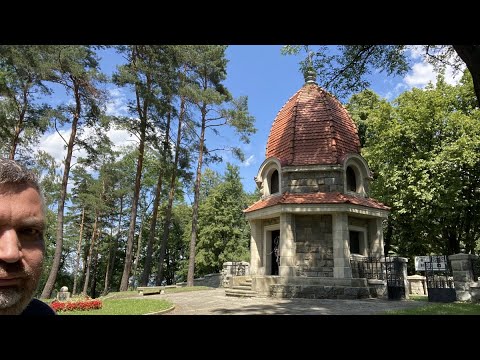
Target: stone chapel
x=315, y=212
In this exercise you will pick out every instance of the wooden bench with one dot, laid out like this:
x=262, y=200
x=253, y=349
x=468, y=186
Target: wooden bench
x=147, y=290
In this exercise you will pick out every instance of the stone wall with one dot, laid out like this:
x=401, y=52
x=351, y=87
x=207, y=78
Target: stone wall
x=210, y=280
x=314, y=245
x=312, y=181
x=466, y=288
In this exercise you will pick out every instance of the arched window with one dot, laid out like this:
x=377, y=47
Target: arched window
x=351, y=180
x=274, y=183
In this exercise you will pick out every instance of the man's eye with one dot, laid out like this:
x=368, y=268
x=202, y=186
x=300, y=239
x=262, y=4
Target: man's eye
x=29, y=232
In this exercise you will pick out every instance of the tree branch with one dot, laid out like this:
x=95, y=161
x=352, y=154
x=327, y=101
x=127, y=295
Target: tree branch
x=58, y=132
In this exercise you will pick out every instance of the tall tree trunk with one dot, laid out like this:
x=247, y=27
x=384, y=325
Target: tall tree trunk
x=79, y=249
x=19, y=125
x=193, y=241
x=90, y=254
x=93, y=287
x=470, y=54
x=171, y=196
x=141, y=148
x=137, y=257
x=147, y=269
x=52, y=277
x=113, y=250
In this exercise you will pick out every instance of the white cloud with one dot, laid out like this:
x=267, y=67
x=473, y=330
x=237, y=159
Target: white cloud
x=121, y=138
x=117, y=104
x=416, y=52
x=422, y=73
x=249, y=161
x=53, y=144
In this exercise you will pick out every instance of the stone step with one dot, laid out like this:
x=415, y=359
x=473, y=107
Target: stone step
x=248, y=280
x=242, y=287
x=240, y=293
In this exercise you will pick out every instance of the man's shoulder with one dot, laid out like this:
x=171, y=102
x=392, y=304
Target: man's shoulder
x=37, y=307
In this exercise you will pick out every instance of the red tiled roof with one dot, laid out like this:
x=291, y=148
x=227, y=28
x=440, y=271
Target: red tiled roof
x=312, y=128
x=316, y=198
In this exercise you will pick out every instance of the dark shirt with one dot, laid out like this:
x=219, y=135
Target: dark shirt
x=37, y=307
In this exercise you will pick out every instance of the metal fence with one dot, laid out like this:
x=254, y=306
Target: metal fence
x=368, y=267
x=439, y=276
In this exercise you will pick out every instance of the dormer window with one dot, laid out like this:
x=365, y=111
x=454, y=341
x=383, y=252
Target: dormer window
x=274, y=183
x=356, y=175
x=351, y=179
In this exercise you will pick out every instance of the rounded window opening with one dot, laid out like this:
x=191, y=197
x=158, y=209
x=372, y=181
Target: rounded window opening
x=274, y=183
x=351, y=180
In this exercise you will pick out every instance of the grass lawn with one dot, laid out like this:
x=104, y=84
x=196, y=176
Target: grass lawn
x=125, y=307
x=456, y=308
x=130, y=303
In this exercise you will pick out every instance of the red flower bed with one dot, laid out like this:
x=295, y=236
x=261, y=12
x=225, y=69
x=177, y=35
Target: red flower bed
x=84, y=305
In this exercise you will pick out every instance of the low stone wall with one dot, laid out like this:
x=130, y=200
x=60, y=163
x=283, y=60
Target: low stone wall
x=310, y=287
x=210, y=280
x=318, y=292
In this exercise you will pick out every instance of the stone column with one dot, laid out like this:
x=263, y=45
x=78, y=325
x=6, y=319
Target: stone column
x=341, y=249
x=375, y=233
x=462, y=275
x=287, y=245
x=256, y=246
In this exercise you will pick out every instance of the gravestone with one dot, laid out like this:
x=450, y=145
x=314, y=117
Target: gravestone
x=63, y=294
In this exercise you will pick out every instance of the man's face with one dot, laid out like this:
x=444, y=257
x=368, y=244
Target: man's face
x=22, y=223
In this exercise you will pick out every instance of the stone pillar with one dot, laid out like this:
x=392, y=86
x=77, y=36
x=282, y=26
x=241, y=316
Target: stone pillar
x=256, y=246
x=375, y=233
x=462, y=275
x=341, y=249
x=287, y=245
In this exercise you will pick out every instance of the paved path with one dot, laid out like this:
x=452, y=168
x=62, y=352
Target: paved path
x=214, y=302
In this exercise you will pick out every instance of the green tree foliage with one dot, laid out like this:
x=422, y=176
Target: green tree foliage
x=23, y=71
x=76, y=69
x=424, y=150
x=207, y=68
x=344, y=71
x=223, y=231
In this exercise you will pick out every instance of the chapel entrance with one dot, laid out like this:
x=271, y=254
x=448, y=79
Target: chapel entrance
x=275, y=252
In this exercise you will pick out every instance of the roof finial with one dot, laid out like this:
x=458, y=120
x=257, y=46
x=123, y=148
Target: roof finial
x=310, y=74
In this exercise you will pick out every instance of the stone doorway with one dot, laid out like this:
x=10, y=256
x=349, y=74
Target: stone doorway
x=275, y=260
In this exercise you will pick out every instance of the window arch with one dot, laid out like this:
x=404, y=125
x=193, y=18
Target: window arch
x=356, y=175
x=274, y=182
x=351, y=179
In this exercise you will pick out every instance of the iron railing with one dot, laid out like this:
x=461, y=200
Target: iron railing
x=368, y=267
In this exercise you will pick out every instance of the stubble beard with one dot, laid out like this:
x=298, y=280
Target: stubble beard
x=14, y=299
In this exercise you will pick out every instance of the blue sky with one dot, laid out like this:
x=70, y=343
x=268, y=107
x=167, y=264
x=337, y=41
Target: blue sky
x=269, y=79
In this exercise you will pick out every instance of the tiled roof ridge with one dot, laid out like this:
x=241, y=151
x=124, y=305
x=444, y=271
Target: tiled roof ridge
x=279, y=112
x=294, y=122
x=316, y=198
x=332, y=127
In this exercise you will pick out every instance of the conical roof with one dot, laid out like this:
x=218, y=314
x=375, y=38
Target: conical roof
x=312, y=128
